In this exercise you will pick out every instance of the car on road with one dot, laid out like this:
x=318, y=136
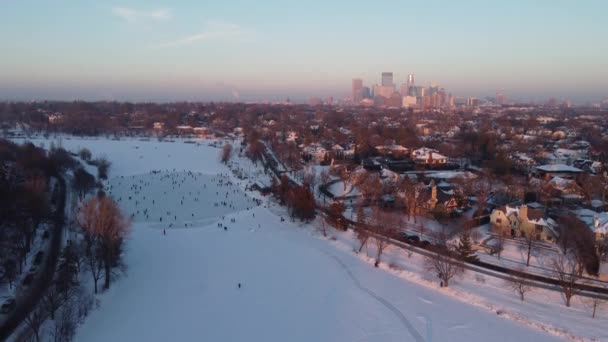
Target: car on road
x=412, y=239
x=8, y=306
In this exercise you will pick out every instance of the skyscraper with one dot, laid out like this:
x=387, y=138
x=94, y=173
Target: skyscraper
x=411, y=85
x=405, y=90
x=357, y=90
x=387, y=79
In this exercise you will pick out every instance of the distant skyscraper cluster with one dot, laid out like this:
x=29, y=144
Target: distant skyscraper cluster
x=408, y=94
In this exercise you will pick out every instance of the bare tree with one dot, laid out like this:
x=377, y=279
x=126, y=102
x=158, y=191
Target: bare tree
x=34, y=320
x=103, y=167
x=53, y=299
x=65, y=325
x=530, y=238
x=569, y=273
x=500, y=239
x=361, y=228
x=383, y=228
x=445, y=264
x=519, y=282
x=594, y=303
x=310, y=178
x=226, y=153
x=104, y=229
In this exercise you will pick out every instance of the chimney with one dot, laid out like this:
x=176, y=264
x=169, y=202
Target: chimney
x=596, y=221
x=523, y=212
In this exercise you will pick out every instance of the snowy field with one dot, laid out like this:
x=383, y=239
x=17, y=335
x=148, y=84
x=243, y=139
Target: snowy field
x=295, y=284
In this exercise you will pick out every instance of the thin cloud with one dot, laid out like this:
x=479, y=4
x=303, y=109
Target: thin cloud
x=133, y=15
x=214, y=31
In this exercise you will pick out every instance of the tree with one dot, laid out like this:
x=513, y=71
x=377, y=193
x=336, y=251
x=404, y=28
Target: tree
x=371, y=189
x=85, y=154
x=103, y=167
x=577, y=239
x=65, y=325
x=445, y=264
x=10, y=270
x=255, y=151
x=519, y=282
x=569, y=273
x=361, y=228
x=226, y=153
x=528, y=233
x=310, y=177
x=56, y=296
x=83, y=182
x=385, y=224
x=500, y=239
x=104, y=229
x=594, y=303
x=34, y=320
x=336, y=214
x=465, y=247
x=301, y=202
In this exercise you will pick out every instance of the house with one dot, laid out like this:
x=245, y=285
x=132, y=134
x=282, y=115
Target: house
x=428, y=156
x=396, y=151
x=431, y=196
x=597, y=222
x=516, y=221
x=337, y=151
x=315, y=152
x=559, y=170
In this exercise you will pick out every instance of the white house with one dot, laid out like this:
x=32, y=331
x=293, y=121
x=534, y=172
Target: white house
x=429, y=156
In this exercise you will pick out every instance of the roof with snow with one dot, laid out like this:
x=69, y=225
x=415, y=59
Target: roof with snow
x=558, y=168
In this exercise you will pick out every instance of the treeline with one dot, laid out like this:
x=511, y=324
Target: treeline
x=298, y=198
x=28, y=193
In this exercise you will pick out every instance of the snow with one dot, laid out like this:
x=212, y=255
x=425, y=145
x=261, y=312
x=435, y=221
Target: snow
x=338, y=189
x=296, y=284
x=558, y=168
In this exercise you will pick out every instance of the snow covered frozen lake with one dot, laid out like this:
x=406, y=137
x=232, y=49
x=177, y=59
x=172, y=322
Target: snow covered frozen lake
x=295, y=284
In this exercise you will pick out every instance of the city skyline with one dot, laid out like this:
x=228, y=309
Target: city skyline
x=139, y=51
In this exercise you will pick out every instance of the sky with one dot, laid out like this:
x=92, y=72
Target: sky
x=252, y=50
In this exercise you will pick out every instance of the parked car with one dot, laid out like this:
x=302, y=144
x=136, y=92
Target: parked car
x=8, y=306
x=413, y=239
x=425, y=244
x=38, y=258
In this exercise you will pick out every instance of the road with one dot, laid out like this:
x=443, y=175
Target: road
x=27, y=302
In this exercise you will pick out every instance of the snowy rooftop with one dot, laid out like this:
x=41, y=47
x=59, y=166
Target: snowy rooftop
x=558, y=168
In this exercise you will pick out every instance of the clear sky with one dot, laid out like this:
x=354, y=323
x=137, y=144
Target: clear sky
x=270, y=49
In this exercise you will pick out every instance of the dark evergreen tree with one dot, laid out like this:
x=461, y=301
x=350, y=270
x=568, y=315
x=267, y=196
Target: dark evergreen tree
x=465, y=247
